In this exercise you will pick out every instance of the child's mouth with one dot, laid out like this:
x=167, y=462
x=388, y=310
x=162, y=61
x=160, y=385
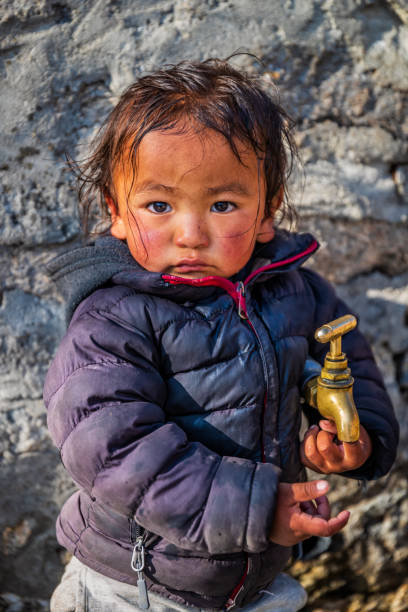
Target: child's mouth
x=186, y=268
x=195, y=265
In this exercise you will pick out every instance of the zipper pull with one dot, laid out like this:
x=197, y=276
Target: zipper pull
x=137, y=565
x=241, y=300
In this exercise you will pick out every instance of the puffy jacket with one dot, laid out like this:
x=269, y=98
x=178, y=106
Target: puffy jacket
x=175, y=405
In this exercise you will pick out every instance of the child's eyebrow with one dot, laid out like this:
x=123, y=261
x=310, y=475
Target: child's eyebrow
x=150, y=186
x=233, y=187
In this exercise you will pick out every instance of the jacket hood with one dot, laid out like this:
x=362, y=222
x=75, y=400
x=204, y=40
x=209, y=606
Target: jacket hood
x=80, y=271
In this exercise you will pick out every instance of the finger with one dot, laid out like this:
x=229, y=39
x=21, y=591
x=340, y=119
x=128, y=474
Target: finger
x=323, y=507
x=356, y=453
x=304, y=460
x=315, y=525
x=309, y=447
x=331, y=453
x=329, y=426
x=306, y=491
x=353, y=454
x=311, y=433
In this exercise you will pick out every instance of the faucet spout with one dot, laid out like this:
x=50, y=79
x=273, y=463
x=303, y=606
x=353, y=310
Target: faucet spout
x=337, y=404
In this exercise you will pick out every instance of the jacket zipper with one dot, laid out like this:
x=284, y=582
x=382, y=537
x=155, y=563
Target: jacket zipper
x=237, y=292
x=242, y=311
x=233, y=597
x=137, y=563
x=241, y=302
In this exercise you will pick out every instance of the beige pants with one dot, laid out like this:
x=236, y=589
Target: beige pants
x=84, y=590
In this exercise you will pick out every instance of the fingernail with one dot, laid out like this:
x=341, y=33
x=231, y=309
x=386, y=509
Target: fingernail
x=321, y=485
x=313, y=427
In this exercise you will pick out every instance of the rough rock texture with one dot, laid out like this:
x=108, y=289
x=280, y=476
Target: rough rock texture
x=342, y=69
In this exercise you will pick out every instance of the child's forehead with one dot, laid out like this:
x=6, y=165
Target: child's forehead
x=188, y=150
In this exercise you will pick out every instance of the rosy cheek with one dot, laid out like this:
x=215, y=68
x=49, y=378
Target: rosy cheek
x=234, y=253
x=238, y=245
x=153, y=242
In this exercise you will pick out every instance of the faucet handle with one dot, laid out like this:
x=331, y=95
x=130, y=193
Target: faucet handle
x=332, y=332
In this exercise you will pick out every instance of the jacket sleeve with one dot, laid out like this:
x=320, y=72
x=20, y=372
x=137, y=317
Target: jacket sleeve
x=372, y=401
x=105, y=398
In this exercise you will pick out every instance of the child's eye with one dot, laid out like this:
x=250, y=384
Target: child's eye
x=222, y=207
x=159, y=207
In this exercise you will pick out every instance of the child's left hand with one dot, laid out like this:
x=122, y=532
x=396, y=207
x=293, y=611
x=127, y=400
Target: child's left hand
x=320, y=451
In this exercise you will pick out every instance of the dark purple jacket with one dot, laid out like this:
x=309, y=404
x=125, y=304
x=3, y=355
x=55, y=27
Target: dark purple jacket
x=174, y=413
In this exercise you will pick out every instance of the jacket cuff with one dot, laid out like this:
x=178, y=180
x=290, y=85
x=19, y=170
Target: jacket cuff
x=240, y=507
x=261, y=507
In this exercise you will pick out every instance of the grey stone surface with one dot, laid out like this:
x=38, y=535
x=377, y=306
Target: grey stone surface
x=342, y=69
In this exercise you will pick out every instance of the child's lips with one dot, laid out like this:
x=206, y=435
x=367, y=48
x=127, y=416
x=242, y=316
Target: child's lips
x=190, y=265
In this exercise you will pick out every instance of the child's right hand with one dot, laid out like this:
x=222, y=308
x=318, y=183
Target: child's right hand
x=303, y=510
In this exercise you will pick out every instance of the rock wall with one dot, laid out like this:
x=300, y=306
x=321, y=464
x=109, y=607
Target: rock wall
x=341, y=66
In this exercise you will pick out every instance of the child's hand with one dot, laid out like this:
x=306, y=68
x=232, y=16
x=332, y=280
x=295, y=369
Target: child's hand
x=302, y=510
x=320, y=452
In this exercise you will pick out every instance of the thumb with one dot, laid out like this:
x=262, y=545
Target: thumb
x=306, y=491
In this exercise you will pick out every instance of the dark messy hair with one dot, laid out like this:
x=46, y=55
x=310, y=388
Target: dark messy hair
x=209, y=94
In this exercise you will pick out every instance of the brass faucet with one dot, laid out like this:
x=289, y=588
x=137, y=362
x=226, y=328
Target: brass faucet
x=332, y=392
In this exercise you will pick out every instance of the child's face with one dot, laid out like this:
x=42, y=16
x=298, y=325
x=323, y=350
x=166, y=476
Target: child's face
x=192, y=209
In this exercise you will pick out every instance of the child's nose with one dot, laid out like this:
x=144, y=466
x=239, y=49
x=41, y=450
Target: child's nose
x=192, y=233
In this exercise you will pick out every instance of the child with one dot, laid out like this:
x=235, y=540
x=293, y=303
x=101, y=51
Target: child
x=174, y=397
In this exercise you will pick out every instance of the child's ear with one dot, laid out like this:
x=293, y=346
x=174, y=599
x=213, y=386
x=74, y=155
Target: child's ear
x=267, y=228
x=117, y=228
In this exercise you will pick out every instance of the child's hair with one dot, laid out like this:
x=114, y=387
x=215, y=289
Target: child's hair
x=192, y=95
